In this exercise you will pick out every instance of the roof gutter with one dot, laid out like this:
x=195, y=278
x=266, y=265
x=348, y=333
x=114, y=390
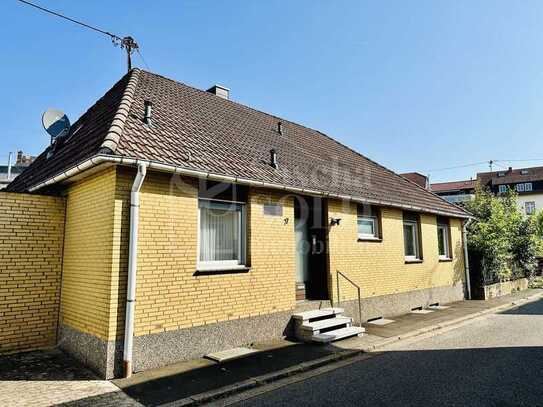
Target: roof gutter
x=103, y=159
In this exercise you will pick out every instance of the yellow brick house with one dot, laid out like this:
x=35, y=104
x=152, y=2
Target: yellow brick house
x=194, y=224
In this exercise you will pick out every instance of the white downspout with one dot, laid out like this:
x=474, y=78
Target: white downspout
x=132, y=267
x=466, y=259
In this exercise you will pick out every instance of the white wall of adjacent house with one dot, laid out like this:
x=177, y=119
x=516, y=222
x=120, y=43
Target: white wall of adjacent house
x=528, y=200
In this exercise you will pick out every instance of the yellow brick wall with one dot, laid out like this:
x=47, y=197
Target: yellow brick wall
x=379, y=267
x=31, y=230
x=90, y=257
x=169, y=294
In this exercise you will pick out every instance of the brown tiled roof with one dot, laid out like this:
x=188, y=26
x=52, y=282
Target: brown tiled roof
x=87, y=137
x=511, y=176
x=194, y=129
x=453, y=186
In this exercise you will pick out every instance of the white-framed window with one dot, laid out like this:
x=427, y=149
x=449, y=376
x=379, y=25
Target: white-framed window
x=528, y=187
x=222, y=235
x=502, y=189
x=443, y=243
x=368, y=223
x=411, y=238
x=520, y=187
x=529, y=207
x=524, y=172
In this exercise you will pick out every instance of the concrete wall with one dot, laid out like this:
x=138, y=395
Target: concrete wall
x=379, y=268
x=31, y=233
x=505, y=288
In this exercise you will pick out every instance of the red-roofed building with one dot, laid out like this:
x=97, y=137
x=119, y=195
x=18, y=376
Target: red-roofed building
x=455, y=191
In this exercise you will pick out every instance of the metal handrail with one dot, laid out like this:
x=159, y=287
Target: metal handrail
x=339, y=273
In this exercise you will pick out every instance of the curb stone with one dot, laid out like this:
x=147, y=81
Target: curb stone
x=230, y=390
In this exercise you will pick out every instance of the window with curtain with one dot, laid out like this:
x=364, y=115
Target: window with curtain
x=411, y=237
x=222, y=234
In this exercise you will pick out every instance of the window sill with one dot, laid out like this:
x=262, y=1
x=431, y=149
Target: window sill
x=413, y=261
x=445, y=259
x=208, y=271
x=369, y=239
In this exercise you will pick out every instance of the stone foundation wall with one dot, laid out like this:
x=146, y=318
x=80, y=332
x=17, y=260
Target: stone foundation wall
x=504, y=288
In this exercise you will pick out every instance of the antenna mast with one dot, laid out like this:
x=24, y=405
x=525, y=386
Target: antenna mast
x=128, y=44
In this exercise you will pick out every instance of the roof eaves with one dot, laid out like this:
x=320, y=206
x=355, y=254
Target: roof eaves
x=159, y=166
x=115, y=131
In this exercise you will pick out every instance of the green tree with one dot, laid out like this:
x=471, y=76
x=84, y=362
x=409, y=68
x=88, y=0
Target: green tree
x=501, y=239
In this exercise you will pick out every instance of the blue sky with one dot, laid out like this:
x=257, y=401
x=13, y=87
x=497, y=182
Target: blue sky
x=418, y=85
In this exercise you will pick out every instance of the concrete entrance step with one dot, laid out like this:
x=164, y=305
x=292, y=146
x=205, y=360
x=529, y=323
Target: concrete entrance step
x=326, y=323
x=318, y=313
x=337, y=334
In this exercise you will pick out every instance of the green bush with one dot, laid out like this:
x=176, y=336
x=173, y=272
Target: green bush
x=501, y=239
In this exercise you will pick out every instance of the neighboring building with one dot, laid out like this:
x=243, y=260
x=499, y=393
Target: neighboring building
x=417, y=178
x=527, y=182
x=24, y=160
x=455, y=192
x=21, y=162
x=242, y=220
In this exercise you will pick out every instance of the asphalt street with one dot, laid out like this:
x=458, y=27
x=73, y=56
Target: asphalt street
x=494, y=361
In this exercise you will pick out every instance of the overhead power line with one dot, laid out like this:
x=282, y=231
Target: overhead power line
x=457, y=167
x=523, y=160
x=116, y=37
x=126, y=43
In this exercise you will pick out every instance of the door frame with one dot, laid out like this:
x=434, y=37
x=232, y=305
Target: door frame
x=315, y=211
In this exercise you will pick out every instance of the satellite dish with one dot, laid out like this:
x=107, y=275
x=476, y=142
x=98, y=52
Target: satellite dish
x=56, y=123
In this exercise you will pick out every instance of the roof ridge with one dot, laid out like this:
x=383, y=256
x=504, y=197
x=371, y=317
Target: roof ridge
x=117, y=125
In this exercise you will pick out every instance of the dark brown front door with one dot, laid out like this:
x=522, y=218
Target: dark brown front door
x=311, y=225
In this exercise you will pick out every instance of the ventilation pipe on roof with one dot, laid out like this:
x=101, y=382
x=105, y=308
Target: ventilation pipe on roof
x=280, y=128
x=132, y=267
x=148, y=112
x=273, y=159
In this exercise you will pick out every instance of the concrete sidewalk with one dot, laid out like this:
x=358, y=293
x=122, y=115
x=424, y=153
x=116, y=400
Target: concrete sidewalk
x=201, y=380
x=416, y=324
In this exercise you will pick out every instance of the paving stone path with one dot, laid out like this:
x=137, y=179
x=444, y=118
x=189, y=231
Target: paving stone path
x=51, y=378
